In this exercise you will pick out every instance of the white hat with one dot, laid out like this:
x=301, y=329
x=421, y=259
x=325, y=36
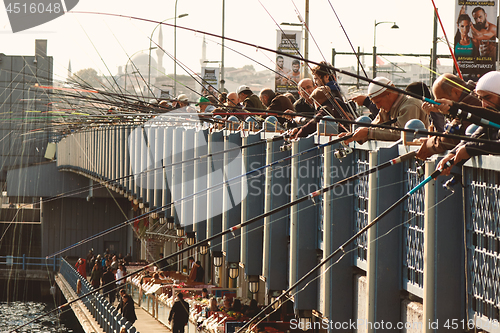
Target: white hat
x=182, y=98
x=374, y=89
x=242, y=89
x=489, y=82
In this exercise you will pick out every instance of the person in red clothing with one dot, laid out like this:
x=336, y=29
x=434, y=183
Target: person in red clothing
x=81, y=267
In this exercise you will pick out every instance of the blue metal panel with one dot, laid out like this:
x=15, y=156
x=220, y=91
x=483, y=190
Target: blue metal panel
x=305, y=178
x=215, y=176
x=276, y=226
x=338, y=211
x=252, y=206
x=167, y=161
x=159, y=181
x=176, y=180
x=231, y=200
x=187, y=214
x=200, y=168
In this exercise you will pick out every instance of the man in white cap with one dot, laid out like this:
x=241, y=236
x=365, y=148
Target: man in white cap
x=248, y=99
x=396, y=109
x=488, y=91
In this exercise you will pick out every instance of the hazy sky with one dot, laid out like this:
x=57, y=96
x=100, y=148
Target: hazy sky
x=86, y=38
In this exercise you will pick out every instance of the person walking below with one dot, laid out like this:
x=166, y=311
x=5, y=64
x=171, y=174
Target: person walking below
x=127, y=308
x=179, y=314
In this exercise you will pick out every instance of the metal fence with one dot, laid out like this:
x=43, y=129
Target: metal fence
x=106, y=315
x=25, y=262
x=400, y=244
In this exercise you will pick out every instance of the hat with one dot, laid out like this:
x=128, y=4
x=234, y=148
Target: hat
x=242, y=89
x=202, y=100
x=489, y=82
x=182, y=98
x=374, y=89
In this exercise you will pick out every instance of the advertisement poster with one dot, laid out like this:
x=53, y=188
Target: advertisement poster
x=210, y=80
x=288, y=70
x=476, y=37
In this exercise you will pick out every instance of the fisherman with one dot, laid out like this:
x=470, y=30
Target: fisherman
x=324, y=76
x=275, y=102
x=248, y=99
x=396, y=109
x=305, y=105
x=233, y=100
x=325, y=107
x=451, y=87
x=488, y=91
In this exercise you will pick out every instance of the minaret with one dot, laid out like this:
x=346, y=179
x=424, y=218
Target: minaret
x=159, y=52
x=203, y=52
x=69, y=70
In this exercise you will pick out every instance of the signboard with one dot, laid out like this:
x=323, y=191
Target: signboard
x=210, y=80
x=288, y=70
x=476, y=37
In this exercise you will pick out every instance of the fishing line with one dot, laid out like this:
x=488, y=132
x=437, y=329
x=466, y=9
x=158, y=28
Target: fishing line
x=434, y=175
x=310, y=196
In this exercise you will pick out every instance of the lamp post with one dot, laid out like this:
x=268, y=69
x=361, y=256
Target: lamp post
x=151, y=40
x=394, y=26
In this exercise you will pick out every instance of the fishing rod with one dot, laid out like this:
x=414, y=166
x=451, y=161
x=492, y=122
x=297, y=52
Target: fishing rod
x=425, y=99
x=455, y=62
x=341, y=248
x=348, y=39
x=232, y=229
x=158, y=209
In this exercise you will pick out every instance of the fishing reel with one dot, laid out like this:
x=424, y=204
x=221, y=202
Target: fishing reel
x=450, y=183
x=342, y=152
x=286, y=147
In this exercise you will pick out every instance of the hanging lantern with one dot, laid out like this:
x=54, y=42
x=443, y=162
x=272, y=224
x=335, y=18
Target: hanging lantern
x=191, y=238
x=253, y=283
x=204, y=248
x=180, y=231
x=217, y=258
x=234, y=270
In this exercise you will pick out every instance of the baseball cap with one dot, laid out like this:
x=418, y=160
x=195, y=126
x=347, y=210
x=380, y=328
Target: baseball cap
x=182, y=98
x=374, y=89
x=202, y=100
x=242, y=89
x=489, y=82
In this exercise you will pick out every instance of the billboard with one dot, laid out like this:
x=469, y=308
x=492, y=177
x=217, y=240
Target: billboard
x=210, y=80
x=476, y=37
x=288, y=70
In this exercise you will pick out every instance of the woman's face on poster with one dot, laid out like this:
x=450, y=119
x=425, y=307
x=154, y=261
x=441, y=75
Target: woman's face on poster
x=464, y=27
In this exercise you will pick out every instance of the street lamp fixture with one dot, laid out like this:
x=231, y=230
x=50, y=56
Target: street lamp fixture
x=191, y=238
x=394, y=26
x=180, y=231
x=253, y=283
x=204, y=248
x=217, y=258
x=234, y=270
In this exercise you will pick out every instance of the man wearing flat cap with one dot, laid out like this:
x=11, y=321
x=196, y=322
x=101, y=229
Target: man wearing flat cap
x=396, y=109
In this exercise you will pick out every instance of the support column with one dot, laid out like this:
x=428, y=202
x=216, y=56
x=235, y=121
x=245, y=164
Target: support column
x=384, y=244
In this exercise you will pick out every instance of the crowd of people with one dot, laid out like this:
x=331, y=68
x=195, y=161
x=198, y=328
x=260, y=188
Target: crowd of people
x=107, y=271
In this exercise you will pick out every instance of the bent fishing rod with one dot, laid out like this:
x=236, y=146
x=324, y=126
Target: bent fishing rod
x=266, y=49
x=341, y=248
x=158, y=209
x=232, y=229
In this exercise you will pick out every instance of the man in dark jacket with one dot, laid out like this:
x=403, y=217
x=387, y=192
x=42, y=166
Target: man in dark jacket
x=248, y=99
x=127, y=307
x=108, y=281
x=179, y=314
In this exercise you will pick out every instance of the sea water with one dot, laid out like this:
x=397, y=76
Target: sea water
x=14, y=314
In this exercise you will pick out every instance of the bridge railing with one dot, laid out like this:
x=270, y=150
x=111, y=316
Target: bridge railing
x=440, y=246
x=24, y=262
x=106, y=315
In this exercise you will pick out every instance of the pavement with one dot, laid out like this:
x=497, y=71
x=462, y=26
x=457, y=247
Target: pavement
x=145, y=323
